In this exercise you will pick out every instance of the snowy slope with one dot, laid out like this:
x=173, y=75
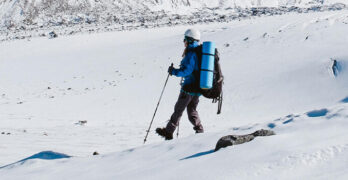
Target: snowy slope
x=308, y=146
x=21, y=19
x=278, y=71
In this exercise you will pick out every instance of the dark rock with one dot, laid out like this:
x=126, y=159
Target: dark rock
x=82, y=122
x=52, y=35
x=231, y=140
x=263, y=132
x=264, y=35
x=334, y=67
x=95, y=153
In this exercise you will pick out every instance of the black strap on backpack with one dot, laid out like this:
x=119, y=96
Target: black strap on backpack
x=218, y=82
x=220, y=103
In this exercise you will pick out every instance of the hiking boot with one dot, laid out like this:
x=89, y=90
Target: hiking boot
x=163, y=132
x=198, y=129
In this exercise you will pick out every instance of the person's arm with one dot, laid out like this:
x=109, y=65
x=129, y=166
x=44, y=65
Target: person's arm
x=187, y=66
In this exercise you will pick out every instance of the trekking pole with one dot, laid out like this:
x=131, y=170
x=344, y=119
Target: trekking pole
x=153, y=117
x=177, y=132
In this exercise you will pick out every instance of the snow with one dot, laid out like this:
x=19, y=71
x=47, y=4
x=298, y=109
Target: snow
x=278, y=73
x=37, y=18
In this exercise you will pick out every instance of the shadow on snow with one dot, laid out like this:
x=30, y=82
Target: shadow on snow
x=46, y=155
x=198, y=154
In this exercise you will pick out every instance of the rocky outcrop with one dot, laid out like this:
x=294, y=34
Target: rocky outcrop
x=21, y=19
x=231, y=140
x=40, y=12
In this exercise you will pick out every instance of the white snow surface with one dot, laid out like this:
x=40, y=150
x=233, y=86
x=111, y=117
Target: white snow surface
x=25, y=19
x=28, y=12
x=278, y=75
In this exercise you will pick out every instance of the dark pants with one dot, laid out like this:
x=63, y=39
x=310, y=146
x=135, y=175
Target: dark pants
x=190, y=103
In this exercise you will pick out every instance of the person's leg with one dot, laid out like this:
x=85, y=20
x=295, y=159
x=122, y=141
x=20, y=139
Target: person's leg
x=193, y=114
x=183, y=100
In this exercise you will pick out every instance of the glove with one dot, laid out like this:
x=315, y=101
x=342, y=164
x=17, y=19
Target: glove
x=170, y=70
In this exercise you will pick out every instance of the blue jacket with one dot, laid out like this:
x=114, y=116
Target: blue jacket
x=188, y=64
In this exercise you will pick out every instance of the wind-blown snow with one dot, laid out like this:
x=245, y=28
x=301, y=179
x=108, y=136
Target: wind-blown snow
x=278, y=73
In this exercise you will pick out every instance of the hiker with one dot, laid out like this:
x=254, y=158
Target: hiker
x=189, y=96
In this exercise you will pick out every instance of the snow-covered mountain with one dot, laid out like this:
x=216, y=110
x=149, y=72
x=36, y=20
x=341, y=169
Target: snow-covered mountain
x=31, y=11
x=18, y=17
x=78, y=94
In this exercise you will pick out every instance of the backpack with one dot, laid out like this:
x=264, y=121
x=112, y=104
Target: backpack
x=215, y=93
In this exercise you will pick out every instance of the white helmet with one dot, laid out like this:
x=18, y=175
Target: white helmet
x=193, y=33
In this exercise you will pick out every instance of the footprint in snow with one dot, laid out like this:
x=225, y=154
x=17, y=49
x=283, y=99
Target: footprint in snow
x=317, y=113
x=271, y=125
x=288, y=121
x=345, y=100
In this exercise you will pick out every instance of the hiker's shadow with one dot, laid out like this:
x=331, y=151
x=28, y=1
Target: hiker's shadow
x=198, y=154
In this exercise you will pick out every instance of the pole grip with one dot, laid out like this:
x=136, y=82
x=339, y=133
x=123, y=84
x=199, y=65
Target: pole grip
x=171, y=67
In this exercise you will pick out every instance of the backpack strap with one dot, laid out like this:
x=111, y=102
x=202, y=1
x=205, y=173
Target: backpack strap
x=220, y=103
x=220, y=80
x=217, y=59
